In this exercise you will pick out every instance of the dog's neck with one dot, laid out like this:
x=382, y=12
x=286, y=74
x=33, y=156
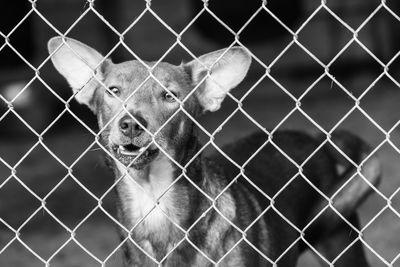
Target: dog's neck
x=159, y=193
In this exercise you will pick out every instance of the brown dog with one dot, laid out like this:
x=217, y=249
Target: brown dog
x=179, y=208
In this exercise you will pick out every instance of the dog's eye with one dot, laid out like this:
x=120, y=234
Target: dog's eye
x=169, y=96
x=113, y=91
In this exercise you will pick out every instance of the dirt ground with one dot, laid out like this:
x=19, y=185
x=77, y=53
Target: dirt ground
x=67, y=140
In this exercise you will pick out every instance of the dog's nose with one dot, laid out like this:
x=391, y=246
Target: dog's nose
x=129, y=126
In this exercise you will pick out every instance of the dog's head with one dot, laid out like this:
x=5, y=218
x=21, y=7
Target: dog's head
x=133, y=104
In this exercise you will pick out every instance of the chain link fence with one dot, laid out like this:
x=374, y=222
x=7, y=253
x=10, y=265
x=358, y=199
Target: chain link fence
x=148, y=10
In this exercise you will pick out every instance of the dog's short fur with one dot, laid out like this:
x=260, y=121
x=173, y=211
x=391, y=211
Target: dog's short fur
x=146, y=167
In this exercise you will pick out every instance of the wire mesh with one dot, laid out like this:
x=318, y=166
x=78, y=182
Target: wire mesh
x=148, y=10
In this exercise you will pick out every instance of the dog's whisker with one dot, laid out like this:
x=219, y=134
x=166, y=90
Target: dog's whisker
x=95, y=149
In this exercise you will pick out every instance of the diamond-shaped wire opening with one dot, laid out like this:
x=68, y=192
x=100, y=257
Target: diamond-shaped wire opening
x=153, y=36
x=224, y=225
x=99, y=178
x=212, y=121
x=37, y=116
x=102, y=246
x=191, y=36
x=155, y=215
x=40, y=171
x=282, y=249
x=285, y=191
x=50, y=229
x=326, y=103
x=267, y=104
x=21, y=132
x=79, y=139
x=355, y=58
x=332, y=36
x=59, y=88
x=294, y=70
x=255, y=77
x=344, y=238
x=128, y=13
x=379, y=96
x=15, y=211
x=69, y=202
x=373, y=204
x=8, y=55
x=382, y=26
x=230, y=129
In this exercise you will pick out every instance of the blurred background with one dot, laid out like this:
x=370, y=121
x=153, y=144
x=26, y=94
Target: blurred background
x=45, y=138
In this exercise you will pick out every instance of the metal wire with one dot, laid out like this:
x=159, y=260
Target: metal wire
x=90, y=8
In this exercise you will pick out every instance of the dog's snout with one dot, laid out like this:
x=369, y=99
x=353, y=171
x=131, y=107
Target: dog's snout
x=132, y=127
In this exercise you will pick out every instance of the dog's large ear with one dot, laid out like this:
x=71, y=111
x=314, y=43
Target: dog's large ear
x=227, y=69
x=76, y=62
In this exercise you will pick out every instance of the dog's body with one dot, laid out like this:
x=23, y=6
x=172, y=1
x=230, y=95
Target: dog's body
x=179, y=208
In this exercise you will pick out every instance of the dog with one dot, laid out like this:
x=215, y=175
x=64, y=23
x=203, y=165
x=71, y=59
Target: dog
x=263, y=206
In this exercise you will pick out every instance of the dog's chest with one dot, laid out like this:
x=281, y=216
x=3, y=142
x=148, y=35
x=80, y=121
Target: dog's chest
x=150, y=203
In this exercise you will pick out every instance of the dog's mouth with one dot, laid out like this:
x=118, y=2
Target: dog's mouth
x=134, y=156
x=131, y=150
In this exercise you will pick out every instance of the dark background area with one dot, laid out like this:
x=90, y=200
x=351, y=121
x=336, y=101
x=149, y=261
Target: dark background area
x=49, y=160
